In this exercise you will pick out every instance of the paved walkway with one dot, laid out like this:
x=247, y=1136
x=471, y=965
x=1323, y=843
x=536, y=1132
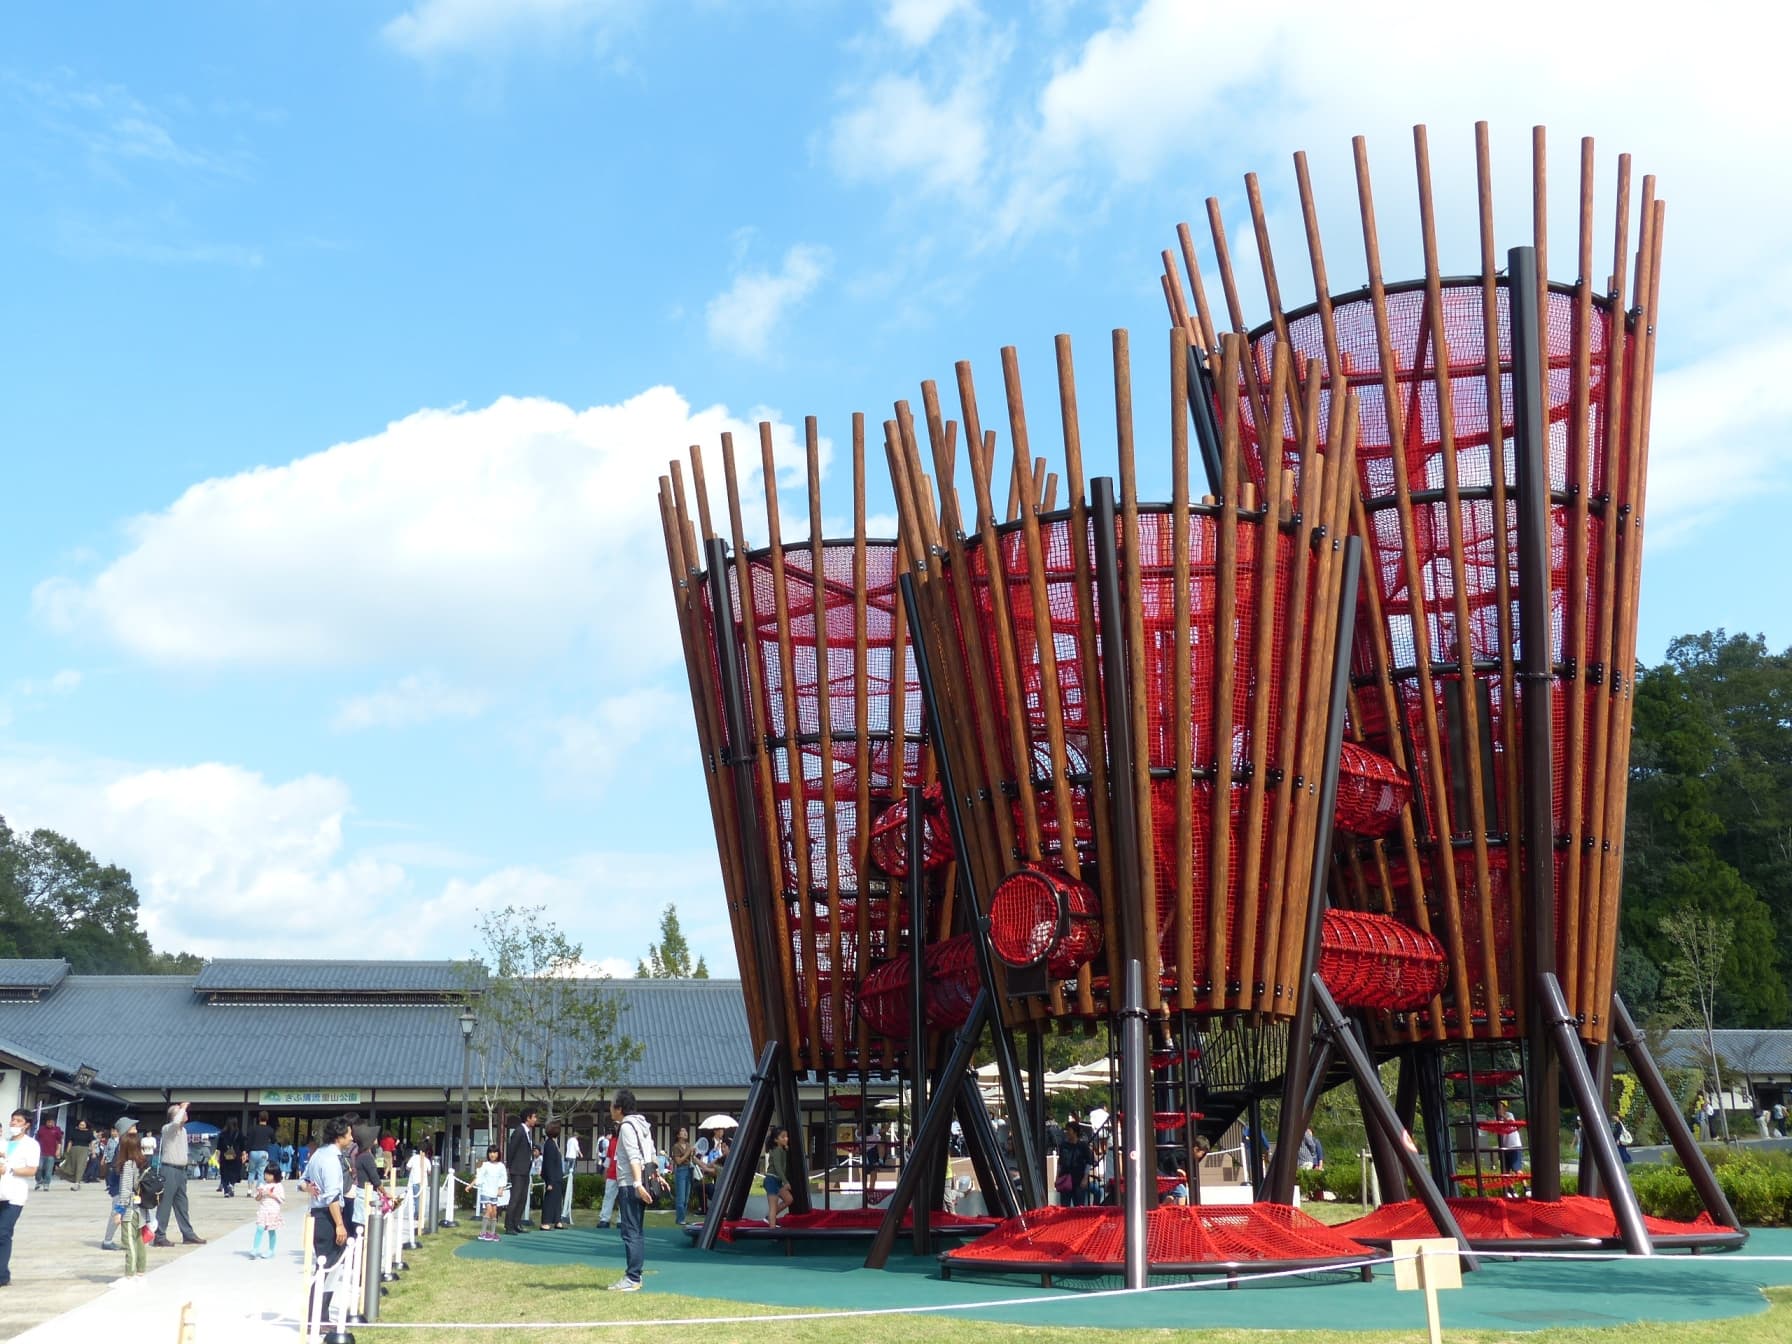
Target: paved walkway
x=61, y=1281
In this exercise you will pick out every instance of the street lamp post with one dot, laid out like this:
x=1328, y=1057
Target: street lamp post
x=467, y=1022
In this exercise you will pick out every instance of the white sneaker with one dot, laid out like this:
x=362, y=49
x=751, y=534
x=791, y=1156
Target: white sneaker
x=625, y=1285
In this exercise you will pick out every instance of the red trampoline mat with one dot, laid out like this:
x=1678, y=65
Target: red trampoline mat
x=1174, y=1235
x=1489, y=1218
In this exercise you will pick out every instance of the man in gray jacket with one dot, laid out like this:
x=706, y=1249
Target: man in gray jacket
x=174, y=1176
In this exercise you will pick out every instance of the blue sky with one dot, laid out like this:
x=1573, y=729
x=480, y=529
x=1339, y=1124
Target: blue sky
x=343, y=343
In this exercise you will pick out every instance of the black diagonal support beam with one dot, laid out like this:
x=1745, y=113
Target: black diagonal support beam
x=1594, y=1130
x=1686, y=1145
x=934, y=1129
x=749, y=1139
x=1378, y=1111
x=1007, y=1064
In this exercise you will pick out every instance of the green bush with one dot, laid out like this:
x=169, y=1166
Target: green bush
x=587, y=1191
x=1345, y=1182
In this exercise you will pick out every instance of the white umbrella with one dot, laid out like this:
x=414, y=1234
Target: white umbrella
x=717, y=1122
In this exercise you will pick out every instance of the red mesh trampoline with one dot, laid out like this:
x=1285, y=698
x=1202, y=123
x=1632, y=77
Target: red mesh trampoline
x=1574, y=1222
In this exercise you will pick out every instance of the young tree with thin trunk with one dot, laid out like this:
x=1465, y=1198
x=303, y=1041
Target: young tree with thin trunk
x=1690, y=981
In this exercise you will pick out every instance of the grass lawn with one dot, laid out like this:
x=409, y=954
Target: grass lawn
x=440, y=1287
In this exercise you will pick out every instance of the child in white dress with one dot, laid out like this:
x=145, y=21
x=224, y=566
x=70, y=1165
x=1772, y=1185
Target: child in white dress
x=270, y=1200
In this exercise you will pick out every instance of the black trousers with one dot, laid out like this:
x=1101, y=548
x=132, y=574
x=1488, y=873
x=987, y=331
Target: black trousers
x=519, y=1201
x=323, y=1244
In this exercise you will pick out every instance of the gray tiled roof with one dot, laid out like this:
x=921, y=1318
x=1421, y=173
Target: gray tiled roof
x=32, y=1055
x=248, y=975
x=1757, y=1054
x=31, y=972
x=154, y=1031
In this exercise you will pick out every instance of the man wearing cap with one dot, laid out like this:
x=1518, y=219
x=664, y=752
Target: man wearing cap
x=174, y=1176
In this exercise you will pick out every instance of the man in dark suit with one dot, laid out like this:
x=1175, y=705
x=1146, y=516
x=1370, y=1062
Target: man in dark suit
x=519, y=1156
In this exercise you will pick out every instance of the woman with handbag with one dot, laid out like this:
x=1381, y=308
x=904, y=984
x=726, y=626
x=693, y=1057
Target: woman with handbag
x=553, y=1178
x=684, y=1168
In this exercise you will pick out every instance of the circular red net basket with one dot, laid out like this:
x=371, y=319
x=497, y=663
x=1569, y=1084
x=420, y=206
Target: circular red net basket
x=889, y=835
x=1371, y=791
x=946, y=998
x=1375, y=961
x=1039, y=915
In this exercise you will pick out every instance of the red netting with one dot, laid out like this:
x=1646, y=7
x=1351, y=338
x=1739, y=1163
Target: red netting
x=1040, y=915
x=952, y=984
x=1094, y=1239
x=1220, y=769
x=1486, y=1077
x=1454, y=611
x=1169, y=1059
x=1164, y=1121
x=1499, y=1126
x=1483, y=1181
x=889, y=836
x=849, y=1222
x=1492, y=1219
x=1375, y=961
x=1371, y=791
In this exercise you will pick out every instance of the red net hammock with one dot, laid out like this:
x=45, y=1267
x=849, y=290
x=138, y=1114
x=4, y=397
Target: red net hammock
x=1093, y=1240
x=1037, y=914
x=850, y=1222
x=1486, y=1220
x=1375, y=961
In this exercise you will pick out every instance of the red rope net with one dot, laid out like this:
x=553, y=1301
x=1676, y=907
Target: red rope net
x=1429, y=616
x=1094, y=1239
x=946, y=999
x=1372, y=790
x=1574, y=1217
x=1375, y=961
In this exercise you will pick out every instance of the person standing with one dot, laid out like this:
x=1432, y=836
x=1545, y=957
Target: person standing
x=634, y=1153
x=684, y=1167
x=260, y=1143
x=1312, y=1153
x=607, y=1154
x=174, y=1155
x=572, y=1152
x=115, y=1151
x=519, y=1155
x=323, y=1182
x=49, y=1144
x=553, y=1177
x=74, y=1157
x=127, y=1208
x=1076, y=1159
x=1511, y=1141
x=230, y=1160
x=17, y=1171
x=778, y=1196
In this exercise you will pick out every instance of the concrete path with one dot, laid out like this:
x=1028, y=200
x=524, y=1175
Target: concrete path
x=61, y=1281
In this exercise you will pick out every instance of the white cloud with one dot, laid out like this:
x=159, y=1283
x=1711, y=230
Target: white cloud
x=588, y=748
x=432, y=28
x=407, y=702
x=511, y=532
x=917, y=21
x=898, y=133
x=230, y=863
x=744, y=316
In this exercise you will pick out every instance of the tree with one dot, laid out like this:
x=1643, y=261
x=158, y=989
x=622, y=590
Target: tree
x=57, y=900
x=1701, y=943
x=549, y=1031
x=670, y=958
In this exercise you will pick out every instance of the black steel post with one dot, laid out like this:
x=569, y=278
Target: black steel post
x=1135, y=1125
x=984, y=1147
x=736, y=1180
x=1377, y=1112
x=1390, y=1168
x=1036, y=1112
x=1001, y=1041
x=1530, y=456
x=1434, y=1106
x=1135, y=1059
x=1207, y=427
x=1284, y=1162
x=1599, y=1060
x=1667, y=1109
x=935, y=1127
x=1594, y=1132
x=1317, y=1068
x=790, y=1111
x=915, y=889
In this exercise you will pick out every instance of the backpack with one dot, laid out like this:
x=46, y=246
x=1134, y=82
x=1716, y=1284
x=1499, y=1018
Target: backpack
x=653, y=1181
x=150, y=1186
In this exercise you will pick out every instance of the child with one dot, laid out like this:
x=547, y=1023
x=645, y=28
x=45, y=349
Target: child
x=270, y=1197
x=778, y=1195
x=492, y=1184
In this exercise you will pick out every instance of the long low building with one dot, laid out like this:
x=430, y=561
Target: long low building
x=307, y=1040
